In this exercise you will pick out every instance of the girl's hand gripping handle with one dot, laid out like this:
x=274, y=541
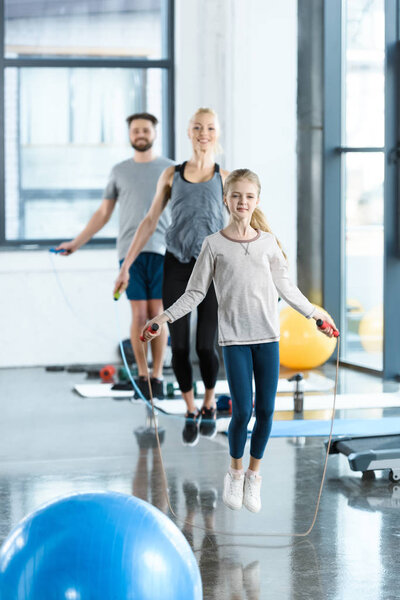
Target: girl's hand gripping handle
x=325, y=326
x=152, y=329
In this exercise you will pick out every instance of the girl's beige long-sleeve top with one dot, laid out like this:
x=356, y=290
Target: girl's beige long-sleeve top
x=248, y=276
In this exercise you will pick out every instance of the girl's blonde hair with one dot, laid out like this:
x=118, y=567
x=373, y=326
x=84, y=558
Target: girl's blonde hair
x=204, y=110
x=258, y=219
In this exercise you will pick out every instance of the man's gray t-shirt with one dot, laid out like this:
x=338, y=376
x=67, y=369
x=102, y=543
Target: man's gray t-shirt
x=134, y=186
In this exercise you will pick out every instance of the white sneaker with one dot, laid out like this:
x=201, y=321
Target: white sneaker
x=252, y=488
x=252, y=579
x=232, y=496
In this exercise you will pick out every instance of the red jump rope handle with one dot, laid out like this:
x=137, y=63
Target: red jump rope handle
x=153, y=328
x=324, y=325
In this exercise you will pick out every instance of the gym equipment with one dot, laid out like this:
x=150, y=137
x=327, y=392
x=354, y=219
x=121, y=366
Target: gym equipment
x=377, y=496
x=312, y=402
x=92, y=373
x=107, y=374
x=79, y=369
x=123, y=374
x=323, y=325
x=152, y=329
x=319, y=428
x=371, y=453
x=173, y=387
x=98, y=545
x=101, y=390
x=224, y=404
x=127, y=348
x=311, y=383
x=301, y=345
x=118, y=293
x=298, y=396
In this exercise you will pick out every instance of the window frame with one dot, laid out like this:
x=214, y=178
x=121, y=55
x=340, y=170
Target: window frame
x=167, y=67
x=333, y=193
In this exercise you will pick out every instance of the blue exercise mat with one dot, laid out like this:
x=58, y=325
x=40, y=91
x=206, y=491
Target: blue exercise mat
x=384, y=426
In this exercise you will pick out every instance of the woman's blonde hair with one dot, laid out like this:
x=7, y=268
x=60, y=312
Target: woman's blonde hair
x=205, y=110
x=258, y=219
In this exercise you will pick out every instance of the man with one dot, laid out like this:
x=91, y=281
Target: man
x=133, y=183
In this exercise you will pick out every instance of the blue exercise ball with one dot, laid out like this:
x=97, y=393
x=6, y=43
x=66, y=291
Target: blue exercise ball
x=98, y=546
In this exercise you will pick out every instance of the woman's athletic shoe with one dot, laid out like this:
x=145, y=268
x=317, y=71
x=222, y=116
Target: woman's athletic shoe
x=157, y=388
x=208, y=423
x=143, y=385
x=190, y=432
x=127, y=386
x=232, y=495
x=252, y=488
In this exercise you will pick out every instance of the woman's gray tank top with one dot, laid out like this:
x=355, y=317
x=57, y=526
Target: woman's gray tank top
x=197, y=210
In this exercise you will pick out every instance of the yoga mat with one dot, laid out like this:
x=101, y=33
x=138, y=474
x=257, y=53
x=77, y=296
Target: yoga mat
x=100, y=390
x=384, y=426
x=313, y=383
x=309, y=428
x=313, y=402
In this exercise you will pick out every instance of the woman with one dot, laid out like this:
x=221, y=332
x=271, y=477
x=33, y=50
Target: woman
x=194, y=192
x=249, y=269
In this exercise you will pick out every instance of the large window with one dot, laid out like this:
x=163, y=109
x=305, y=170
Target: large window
x=361, y=180
x=116, y=28
x=363, y=174
x=72, y=71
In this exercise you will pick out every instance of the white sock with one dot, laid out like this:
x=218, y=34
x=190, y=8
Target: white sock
x=235, y=472
x=250, y=473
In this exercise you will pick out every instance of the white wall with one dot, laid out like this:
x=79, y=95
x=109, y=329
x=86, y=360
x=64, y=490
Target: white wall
x=59, y=310
x=238, y=56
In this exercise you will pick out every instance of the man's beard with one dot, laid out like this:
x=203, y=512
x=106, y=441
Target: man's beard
x=142, y=148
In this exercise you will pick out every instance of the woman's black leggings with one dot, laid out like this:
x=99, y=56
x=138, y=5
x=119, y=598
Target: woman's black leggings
x=176, y=277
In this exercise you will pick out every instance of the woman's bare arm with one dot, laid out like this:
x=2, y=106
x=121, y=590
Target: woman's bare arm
x=147, y=226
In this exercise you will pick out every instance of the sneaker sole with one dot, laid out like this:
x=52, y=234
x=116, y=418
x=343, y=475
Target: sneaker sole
x=251, y=509
x=206, y=435
x=230, y=505
x=192, y=444
x=210, y=437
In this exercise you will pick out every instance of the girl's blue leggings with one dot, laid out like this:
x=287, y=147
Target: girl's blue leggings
x=240, y=364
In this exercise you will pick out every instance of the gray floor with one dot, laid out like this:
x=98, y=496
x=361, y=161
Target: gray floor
x=53, y=442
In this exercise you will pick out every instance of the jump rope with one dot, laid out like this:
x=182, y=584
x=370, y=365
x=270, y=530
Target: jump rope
x=322, y=325
x=85, y=324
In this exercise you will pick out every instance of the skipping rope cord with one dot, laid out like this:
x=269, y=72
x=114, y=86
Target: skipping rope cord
x=215, y=531
x=98, y=334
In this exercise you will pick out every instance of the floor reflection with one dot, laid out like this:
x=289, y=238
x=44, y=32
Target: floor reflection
x=56, y=443
x=374, y=494
x=221, y=576
x=148, y=481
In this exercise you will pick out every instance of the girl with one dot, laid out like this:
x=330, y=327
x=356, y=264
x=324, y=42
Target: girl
x=193, y=190
x=249, y=270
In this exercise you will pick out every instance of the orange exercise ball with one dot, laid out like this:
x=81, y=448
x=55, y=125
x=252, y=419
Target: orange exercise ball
x=302, y=345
